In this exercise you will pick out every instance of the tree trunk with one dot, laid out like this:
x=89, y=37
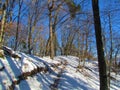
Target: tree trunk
x=2, y=27
x=111, y=48
x=100, y=51
x=3, y=23
x=51, y=38
x=29, y=40
x=51, y=33
x=55, y=43
x=18, y=21
x=116, y=54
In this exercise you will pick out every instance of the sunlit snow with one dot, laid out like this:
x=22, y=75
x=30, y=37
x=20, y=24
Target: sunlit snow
x=62, y=71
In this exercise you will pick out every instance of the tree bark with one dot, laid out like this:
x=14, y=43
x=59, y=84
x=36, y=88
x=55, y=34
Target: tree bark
x=51, y=38
x=3, y=22
x=51, y=33
x=2, y=27
x=99, y=43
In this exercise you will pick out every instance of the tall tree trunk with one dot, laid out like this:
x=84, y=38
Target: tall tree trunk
x=2, y=27
x=18, y=21
x=3, y=23
x=51, y=38
x=100, y=51
x=51, y=33
x=111, y=48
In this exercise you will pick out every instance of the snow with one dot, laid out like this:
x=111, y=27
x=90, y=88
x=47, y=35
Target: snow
x=61, y=73
x=30, y=84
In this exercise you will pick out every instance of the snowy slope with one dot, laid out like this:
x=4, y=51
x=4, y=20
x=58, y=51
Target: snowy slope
x=35, y=73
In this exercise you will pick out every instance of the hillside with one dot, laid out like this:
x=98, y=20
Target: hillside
x=19, y=71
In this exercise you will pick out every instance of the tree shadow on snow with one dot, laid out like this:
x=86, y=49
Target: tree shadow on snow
x=71, y=83
x=45, y=63
x=24, y=85
x=13, y=66
x=45, y=80
x=2, y=85
x=17, y=72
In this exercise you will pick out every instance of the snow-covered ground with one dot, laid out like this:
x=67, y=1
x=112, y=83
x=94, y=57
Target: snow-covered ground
x=36, y=73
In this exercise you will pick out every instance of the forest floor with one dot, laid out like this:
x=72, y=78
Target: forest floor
x=27, y=72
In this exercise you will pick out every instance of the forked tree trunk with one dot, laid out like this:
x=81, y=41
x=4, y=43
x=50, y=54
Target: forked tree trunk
x=100, y=51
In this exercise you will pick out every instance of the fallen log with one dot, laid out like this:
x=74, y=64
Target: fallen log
x=25, y=75
x=10, y=52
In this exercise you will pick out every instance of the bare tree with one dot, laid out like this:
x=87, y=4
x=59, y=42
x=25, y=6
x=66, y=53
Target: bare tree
x=20, y=3
x=34, y=14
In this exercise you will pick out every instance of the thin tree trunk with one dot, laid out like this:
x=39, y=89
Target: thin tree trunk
x=29, y=41
x=100, y=51
x=18, y=21
x=111, y=48
x=115, y=62
x=116, y=53
x=83, y=52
